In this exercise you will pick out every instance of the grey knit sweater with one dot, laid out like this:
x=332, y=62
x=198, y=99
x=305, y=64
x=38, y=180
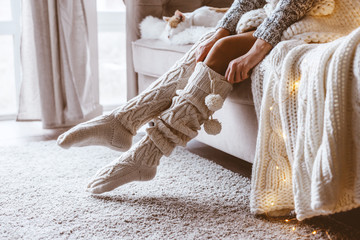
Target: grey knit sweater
x=286, y=13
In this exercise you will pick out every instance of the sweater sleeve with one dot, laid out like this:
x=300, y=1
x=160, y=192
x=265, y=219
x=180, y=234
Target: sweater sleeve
x=237, y=9
x=286, y=13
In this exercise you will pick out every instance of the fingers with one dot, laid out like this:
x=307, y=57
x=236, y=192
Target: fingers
x=238, y=77
x=230, y=74
x=200, y=56
x=202, y=53
x=227, y=74
x=245, y=74
x=236, y=73
x=203, y=50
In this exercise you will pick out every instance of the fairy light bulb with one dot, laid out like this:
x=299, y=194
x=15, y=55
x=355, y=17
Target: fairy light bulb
x=271, y=108
x=296, y=84
x=294, y=228
x=277, y=167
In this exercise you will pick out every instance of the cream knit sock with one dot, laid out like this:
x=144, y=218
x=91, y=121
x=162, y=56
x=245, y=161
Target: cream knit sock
x=182, y=121
x=116, y=129
x=137, y=164
x=175, y=126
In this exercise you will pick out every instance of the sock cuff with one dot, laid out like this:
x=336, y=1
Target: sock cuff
x=160, y=138
x=221, y=86
x=199, y=86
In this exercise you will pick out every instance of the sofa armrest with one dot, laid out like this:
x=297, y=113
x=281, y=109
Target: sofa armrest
x=136, y=10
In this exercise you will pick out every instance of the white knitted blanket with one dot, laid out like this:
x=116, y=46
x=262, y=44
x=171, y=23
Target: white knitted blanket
x=307, y=98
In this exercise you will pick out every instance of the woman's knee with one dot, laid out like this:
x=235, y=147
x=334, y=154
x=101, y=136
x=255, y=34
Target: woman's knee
x=218, y=57
x=222, y=46
x=227, y=49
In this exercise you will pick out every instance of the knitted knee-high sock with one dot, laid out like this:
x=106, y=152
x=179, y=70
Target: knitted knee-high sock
x=137, y=164
x=175, y=126
x=181, y=122
x=117, y=129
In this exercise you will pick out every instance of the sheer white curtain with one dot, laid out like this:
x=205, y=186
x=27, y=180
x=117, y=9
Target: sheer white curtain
x=59, y=60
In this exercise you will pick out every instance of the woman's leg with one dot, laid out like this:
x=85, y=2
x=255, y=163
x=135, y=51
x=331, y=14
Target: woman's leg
x=178, y=124
x=117, y=129
x=227, y=49
x=181, y=122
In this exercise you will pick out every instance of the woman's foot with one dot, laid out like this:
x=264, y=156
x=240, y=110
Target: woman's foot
x=104, y=130
x=137, y=164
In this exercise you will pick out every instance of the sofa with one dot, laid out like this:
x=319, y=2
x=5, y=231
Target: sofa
x=149, y=59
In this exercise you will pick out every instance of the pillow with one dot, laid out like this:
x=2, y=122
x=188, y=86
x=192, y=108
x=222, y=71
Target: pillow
x=322, y=8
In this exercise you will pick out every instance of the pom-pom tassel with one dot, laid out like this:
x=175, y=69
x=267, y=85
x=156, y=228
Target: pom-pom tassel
x=214, y=102
x=212, y=126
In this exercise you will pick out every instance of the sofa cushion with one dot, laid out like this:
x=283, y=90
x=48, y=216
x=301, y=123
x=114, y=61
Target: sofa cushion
x=154, y=57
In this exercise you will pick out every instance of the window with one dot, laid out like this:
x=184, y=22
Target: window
x=112, y=59
x=112, y=52
x=9, y=57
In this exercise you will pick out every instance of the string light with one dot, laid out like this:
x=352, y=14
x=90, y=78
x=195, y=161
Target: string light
x=294, y=89
x=288, y=220
x=295, y=86
x=294, y=228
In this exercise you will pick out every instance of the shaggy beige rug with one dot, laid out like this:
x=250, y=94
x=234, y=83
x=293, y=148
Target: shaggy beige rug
x=42, y=196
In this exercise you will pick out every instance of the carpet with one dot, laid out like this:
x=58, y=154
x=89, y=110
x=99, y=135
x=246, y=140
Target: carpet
x=42, y=196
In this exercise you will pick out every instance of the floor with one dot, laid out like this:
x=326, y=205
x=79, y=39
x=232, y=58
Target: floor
x=15, y=133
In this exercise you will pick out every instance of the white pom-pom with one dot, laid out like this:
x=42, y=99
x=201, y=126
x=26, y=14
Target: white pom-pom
x=214, y=102
x=212, y=127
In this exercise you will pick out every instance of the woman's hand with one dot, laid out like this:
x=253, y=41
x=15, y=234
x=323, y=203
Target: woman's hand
x=204, y=48
x=239, y=68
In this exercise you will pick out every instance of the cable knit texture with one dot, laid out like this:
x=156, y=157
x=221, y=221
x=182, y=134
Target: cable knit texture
x=255, y=18
x=251, y=20
x=175, y=126
x=273, y=17
x=116, y=129
x=137, y=164
x=285, y=13
x=237, y=9
x=182, y=121
x=307, y=101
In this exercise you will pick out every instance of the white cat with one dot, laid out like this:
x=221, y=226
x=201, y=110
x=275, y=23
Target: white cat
x=204, y=16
